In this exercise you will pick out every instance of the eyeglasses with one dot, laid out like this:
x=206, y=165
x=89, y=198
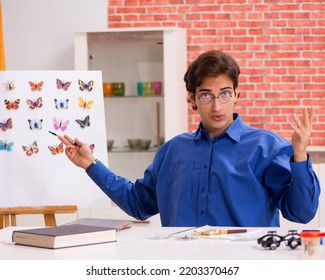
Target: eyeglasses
x=206, y=97
x=272, y=240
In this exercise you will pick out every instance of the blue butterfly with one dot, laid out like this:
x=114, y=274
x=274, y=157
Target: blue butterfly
x=36, y=124
x=61, y=104
x=5, y=146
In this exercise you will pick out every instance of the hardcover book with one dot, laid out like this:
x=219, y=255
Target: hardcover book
x=111, y=223
x=64, y=236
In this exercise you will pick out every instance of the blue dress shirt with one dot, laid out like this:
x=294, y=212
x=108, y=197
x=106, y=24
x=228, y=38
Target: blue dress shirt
x=242, y=177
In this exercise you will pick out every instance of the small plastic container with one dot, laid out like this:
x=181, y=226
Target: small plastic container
x=310, y=241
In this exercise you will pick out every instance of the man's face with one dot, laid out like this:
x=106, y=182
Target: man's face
x=216, y=116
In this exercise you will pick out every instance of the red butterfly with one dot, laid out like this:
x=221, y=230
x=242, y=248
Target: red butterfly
x=6, y=124
x=57, y=149
x=62, y=85
x=32, y=149
x=12, y=105
x=37, y=86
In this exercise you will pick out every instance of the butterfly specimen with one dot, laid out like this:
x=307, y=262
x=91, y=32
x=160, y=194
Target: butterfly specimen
x=57, y=149
x=31, y=149
x=61, y=104
x=60, y=124
x=33, y=104
x=83, y=123
x=62, y=85
x=5, y=146
x=37, y=86
x=83, y=103
x=7, y=124
x=9, y=85
x=12, y=105
x=86, y=86
x=36, y=124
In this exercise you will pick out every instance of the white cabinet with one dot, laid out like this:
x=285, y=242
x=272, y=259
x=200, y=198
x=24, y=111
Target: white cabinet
x=132, y=56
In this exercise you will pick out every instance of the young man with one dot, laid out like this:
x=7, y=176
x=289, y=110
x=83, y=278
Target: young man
x=224, y=174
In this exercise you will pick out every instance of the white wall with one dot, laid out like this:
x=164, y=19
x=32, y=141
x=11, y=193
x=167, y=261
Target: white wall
x=39, y=34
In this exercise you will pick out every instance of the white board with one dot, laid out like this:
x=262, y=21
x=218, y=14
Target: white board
x=34, y=170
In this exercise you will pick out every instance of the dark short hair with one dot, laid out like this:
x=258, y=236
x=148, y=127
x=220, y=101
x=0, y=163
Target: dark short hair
x=211, y=64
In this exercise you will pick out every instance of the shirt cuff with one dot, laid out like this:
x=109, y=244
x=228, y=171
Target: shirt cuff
x=301, y=169
x=91, y=165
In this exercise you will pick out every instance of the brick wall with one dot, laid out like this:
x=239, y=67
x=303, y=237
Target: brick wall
x=279, y=45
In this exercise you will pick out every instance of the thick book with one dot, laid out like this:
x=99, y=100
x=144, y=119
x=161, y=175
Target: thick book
x=64, y=236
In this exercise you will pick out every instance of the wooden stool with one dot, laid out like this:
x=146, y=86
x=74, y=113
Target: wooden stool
x=48, y=212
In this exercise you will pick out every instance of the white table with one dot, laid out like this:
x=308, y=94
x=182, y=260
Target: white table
x=141, y=243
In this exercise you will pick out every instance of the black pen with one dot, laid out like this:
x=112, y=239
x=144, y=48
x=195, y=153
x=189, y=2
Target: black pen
x=70, y=141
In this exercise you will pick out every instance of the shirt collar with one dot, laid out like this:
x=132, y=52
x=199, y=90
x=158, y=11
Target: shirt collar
x=234, y=130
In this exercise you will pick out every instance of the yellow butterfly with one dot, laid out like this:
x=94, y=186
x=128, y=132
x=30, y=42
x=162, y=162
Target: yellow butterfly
x=83, y=103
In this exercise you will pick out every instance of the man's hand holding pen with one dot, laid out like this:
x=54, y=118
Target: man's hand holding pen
x=78, y=152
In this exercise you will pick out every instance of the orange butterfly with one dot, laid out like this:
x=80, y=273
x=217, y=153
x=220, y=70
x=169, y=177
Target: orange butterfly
x=12, y=105
x=37, y=86
x=83, y=103
x=57, y=149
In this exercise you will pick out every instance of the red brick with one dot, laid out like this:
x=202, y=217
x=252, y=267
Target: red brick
x=287, y=102
x=315, y=103
x=273, y=127
x=145, y=2
x=280, y=119
x=263, y=87
x=130, y=17
x=317, y=142
x=279, y=46
x=162, y=10
x=284, y=7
